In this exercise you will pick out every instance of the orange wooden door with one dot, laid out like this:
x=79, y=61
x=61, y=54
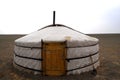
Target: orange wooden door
x=54, y=55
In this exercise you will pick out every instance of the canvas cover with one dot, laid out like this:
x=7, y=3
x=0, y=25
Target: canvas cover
x=27, y=51
x=56, y=34
x=71, y=53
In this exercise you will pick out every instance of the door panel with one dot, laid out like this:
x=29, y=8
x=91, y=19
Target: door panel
x=54, y=55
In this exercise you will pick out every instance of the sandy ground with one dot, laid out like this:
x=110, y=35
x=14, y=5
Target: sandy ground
x=108, y=70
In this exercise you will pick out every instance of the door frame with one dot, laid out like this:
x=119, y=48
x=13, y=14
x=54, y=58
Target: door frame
x=42, y=55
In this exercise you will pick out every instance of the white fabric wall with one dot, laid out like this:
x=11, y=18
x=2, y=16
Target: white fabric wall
x=86, y=69
x=71, y=53
x=81, y=51
x=28, y=52
x=34, y=64
x=72, y=64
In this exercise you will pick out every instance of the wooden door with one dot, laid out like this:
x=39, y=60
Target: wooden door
x=54, y=55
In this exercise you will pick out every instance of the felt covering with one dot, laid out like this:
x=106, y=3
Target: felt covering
x=27, y=50
x=56, y=34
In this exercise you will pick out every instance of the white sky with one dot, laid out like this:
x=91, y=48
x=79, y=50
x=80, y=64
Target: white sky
x=87, y=16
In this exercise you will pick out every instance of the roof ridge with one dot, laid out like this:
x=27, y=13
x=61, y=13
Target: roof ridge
x=60, y=25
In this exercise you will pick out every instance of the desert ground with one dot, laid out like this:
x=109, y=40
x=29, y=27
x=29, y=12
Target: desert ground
x=109, y=68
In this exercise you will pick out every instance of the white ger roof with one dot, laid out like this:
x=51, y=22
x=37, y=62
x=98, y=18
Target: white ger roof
x=56, y=34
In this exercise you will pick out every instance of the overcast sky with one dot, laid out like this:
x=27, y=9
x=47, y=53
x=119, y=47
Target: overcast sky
x=87, y=16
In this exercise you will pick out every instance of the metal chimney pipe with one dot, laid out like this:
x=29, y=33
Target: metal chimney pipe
x=53, y=17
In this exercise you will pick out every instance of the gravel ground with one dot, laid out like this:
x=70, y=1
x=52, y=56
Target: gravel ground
x=108, y=70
